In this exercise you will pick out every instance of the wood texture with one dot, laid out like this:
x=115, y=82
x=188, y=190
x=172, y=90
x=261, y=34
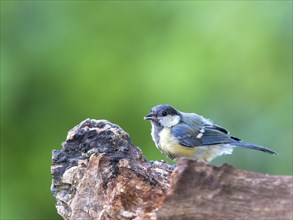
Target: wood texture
x=100, y=174
x=201, y=191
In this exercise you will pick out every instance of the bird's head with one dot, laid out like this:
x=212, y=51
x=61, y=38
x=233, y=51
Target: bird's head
x=164, y=115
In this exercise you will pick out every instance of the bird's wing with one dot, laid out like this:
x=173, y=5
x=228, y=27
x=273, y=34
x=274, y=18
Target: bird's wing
x=196, y=120
x=201, y=135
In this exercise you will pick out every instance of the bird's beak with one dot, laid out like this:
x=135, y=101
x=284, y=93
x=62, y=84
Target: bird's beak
x=150, y=116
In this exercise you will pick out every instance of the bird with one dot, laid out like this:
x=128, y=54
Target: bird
x=179, y=134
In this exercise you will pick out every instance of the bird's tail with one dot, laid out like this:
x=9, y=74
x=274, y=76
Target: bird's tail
x=254, y=147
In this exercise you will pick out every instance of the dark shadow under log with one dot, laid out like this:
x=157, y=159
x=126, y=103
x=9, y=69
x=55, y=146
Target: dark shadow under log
x=100, y=174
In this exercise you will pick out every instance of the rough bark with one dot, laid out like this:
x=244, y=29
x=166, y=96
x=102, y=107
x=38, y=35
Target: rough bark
x=100, y=174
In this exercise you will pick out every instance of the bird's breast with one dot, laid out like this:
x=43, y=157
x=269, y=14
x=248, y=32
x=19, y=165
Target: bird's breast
x=169, y=144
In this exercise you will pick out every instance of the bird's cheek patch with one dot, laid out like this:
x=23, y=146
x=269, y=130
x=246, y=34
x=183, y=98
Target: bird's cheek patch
x=170, y=120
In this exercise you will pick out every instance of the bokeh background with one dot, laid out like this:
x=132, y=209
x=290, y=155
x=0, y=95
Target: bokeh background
x=65, y=61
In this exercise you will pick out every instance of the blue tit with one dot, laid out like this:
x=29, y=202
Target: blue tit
x=179, y=134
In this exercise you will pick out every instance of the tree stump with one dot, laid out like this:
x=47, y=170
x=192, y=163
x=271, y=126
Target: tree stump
x=100, y=174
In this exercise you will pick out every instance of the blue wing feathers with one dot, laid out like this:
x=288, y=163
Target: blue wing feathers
x=189, y=137
x=211, y=135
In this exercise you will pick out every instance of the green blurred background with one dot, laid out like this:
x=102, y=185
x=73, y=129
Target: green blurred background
x=65, y=61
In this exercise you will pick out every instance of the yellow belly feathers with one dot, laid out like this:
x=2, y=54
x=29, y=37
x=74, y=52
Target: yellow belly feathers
x=170, y=145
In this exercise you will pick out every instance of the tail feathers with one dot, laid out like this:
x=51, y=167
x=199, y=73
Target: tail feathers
x=254, y=147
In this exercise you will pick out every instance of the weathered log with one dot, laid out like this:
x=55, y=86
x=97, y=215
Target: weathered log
x=100, y=174
x=201, y=191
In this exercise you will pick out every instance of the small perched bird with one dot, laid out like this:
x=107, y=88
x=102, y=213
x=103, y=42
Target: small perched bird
x=179, y=134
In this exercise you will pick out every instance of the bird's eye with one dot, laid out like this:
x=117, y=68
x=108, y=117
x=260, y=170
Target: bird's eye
x=164, y=113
